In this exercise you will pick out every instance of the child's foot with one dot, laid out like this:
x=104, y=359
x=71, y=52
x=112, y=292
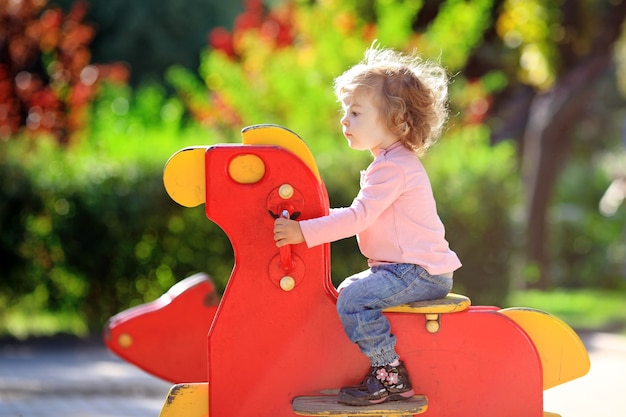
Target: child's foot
x=381, y=384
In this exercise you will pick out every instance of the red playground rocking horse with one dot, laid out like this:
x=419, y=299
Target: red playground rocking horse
x=273, y=345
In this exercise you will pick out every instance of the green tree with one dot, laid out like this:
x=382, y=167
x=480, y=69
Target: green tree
x=556, y=56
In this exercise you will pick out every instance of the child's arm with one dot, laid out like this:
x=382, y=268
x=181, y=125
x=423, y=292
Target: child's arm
x=287, y=232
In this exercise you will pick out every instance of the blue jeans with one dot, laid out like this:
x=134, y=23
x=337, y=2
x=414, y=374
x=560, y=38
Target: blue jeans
x=363, y=296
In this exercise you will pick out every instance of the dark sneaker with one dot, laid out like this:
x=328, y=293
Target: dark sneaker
x=381, y=384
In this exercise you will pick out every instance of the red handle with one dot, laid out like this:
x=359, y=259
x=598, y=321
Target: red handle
x=286, y=262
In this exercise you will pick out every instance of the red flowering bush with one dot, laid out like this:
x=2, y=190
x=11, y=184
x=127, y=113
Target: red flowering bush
x=46, y=78
x=275, y=26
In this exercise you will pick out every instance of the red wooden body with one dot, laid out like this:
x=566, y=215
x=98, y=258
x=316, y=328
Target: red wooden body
x=159, y=336
x=267, y=345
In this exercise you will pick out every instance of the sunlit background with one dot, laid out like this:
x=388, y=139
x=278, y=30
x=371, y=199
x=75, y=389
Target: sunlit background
x=530, y=175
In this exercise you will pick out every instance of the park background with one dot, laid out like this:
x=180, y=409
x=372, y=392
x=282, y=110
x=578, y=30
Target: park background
x=529, y=176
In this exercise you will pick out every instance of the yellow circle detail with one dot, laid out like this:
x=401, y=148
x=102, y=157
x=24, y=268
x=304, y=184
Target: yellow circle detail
x=246, y=169
x=125, y=340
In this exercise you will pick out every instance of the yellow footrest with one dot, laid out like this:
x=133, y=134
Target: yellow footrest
x=328, y=405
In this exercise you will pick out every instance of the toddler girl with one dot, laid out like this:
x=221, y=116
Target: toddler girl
x=394, y=107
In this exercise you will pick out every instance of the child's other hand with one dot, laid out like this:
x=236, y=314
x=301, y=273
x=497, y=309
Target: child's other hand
x=287, y=232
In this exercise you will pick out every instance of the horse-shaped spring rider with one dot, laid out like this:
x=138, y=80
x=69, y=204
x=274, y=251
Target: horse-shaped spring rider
x=274, y=346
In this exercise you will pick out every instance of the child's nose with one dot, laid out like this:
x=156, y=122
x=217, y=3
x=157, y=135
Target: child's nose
x=344, y=120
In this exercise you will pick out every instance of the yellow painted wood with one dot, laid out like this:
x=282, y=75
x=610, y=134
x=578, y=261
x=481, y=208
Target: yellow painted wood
x=187, y=400
x=452, y=303
x=563, y=355
x=184, y=177
x=327, y=405
x=246, y=169
x=547, y=414
x=280, y=136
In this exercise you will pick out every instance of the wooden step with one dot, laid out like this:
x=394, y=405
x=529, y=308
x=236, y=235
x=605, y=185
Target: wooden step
x=328, y=405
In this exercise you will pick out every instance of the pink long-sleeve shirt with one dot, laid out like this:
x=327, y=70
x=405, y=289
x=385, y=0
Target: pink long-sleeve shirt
x=394, y=216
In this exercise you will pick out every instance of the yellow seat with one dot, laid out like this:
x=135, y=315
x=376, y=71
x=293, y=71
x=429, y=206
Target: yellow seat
x=452, y=303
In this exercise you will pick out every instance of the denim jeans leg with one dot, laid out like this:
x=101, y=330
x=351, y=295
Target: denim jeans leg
x=363, y=297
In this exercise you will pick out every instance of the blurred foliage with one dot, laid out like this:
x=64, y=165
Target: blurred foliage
x=88, y=230
x=46, y=77
x=588, y=246
x=152, y=35
x=92, y=233
x=579, y=308
x=565, y=64
x=530, y=26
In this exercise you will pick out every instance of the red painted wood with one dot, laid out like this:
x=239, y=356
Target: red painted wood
x=168, y=335
x=480, y=363
x=267, y=345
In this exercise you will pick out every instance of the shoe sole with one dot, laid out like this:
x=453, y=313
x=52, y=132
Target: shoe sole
x=347, y=399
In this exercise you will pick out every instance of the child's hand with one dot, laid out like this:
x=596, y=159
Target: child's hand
x=287, y=232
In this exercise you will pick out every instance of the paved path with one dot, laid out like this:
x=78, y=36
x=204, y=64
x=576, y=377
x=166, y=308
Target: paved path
x=75, y=381
x=88, y=381
x=600, y=393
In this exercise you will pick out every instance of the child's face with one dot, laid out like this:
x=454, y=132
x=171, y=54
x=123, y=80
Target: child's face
x=361, y=124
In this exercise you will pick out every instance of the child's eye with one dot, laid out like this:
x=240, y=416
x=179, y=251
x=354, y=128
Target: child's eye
x=353, y=113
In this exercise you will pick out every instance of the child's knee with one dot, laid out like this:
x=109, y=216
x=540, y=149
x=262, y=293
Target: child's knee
x=347, y=303
x=350, y=301
x=341, y=303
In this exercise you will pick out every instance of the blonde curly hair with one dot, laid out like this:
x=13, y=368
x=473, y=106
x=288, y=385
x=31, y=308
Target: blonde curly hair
x=410, y=93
